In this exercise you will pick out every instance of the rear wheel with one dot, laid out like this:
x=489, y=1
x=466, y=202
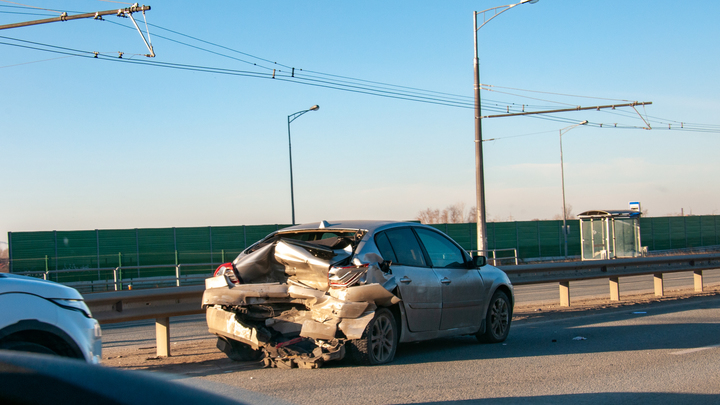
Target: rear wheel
x=379, y=340
x=497, y=321
x=238, y=351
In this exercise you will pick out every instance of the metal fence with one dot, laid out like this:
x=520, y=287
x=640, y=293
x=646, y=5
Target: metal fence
x=129, y=277
x=170, y=247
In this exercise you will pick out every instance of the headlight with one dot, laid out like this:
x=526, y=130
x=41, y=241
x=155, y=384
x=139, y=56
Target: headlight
x=97, y=332
x=73, y=305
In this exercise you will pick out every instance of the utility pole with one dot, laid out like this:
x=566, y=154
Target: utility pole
x=122, y=12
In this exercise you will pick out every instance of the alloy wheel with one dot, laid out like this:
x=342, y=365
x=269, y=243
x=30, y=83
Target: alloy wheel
x=382, y=339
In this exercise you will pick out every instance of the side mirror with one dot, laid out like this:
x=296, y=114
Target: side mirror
x=478, y=261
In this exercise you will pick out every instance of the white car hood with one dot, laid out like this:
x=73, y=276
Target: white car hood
x=12, y=283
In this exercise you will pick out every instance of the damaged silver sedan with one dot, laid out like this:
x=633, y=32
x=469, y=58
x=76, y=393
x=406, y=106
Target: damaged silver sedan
x=313, y=293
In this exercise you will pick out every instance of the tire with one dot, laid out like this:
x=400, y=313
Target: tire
x=29, y=347
x=238, y=351
x=497, y=321
x=379, y=340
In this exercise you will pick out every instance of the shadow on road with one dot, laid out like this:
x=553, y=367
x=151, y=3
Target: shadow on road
x=617, y=331
x=635, y=398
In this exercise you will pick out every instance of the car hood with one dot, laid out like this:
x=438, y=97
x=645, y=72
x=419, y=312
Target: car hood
x=12, y=283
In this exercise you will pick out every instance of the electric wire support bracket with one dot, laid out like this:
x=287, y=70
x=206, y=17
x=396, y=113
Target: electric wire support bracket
x=123, y=12
x=128, y=12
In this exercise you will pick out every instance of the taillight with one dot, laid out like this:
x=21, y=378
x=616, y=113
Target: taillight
x=226, y=269
x=339, y=277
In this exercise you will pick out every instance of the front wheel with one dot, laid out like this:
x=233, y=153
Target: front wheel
x=30, y=347
x=379, y=340
x=497, y=321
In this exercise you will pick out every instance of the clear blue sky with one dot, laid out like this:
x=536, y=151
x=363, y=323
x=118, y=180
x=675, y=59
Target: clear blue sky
x=92, y=143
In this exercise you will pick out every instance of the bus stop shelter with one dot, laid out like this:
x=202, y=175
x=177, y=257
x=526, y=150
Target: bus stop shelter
x=610, y=234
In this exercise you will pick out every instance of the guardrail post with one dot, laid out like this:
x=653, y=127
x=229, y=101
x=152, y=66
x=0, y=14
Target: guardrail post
x=162, y=336
x=659, y=287
x=115, y=278
x=564, y=293
x=177, y=275
x=614, y=288
x=698, y=276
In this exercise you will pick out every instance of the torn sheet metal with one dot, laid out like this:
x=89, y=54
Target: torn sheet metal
x=306, y=263
x=354, y=328
x=226, y=324
x=284, y=306
x=239, y=295
x=260, y=266
x=318, y=330
x=374, y=293
x=332, y=308
x=310, y=295
x=306, y=267
x=289, y=322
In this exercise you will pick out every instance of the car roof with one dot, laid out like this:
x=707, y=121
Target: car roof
x=353, y=224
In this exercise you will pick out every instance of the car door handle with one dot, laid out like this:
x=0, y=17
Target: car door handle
x=405, y=280
x=445, y=280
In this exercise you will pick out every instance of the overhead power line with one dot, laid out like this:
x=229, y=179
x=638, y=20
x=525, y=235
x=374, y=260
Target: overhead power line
x=361, y=86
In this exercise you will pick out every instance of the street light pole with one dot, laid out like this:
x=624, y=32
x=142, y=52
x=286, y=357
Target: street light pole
x=479, y=173
x=291, y=118
x=562, y=178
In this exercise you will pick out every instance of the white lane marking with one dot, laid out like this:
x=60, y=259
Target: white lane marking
x=697, y=349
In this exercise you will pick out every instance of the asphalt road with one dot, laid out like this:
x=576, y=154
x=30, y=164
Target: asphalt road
x=663, y=353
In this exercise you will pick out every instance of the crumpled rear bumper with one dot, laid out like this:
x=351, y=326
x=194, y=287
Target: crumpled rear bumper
x=293, y=326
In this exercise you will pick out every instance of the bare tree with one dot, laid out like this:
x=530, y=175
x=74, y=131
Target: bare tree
x=443, y=219
x=429, y=216
x=472, y=215
x=568, y=213
x=456, y=213
x=453, y=214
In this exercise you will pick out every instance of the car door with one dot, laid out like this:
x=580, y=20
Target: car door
x=462, y=287
x=420, y=289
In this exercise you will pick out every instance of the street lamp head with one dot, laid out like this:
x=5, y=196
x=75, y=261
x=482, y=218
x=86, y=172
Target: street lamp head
x=584, y=122
x=315, y=107
x=529, y=1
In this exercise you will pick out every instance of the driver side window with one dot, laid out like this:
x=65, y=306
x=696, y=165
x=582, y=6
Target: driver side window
x=443, y=253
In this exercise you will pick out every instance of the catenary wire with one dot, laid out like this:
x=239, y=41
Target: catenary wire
x=374, y=88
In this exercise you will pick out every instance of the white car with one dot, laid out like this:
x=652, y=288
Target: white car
x=45, y=317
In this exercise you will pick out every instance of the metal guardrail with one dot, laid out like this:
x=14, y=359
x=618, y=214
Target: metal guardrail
x=496, y=259
x=159, y=304
x=125, y=306
x=119, y=283
x=162, y=303
x=563, y=273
